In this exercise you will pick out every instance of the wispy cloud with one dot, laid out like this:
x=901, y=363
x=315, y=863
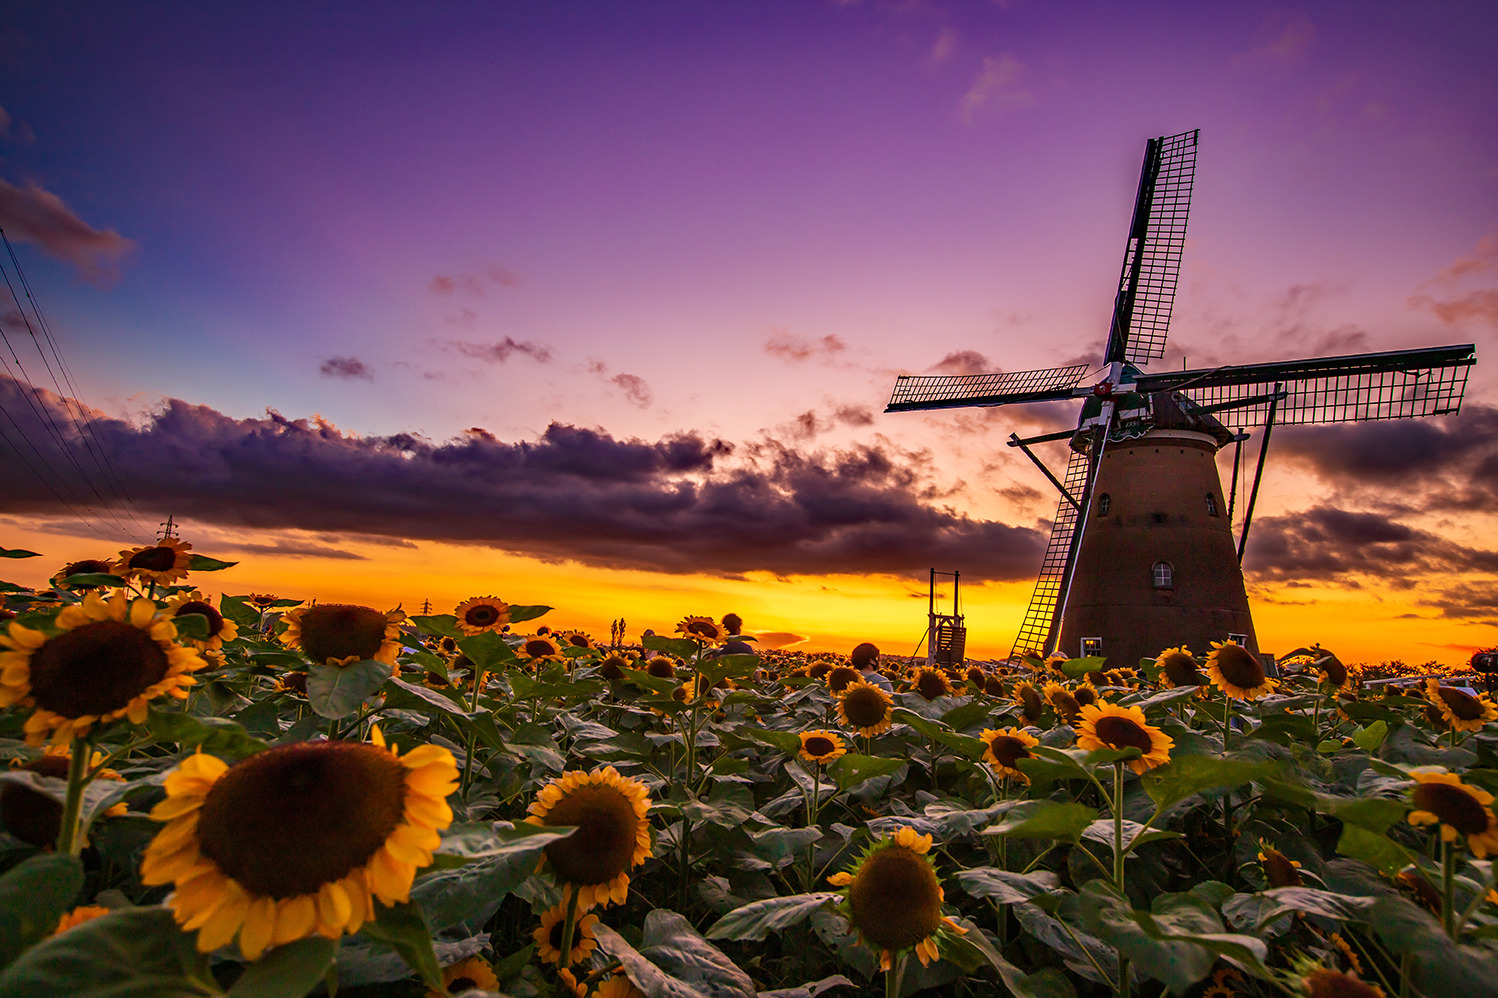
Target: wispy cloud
x=500, y=351
x=999, y=86
x=788, y=347
x=632, y=385
x=495, y=275
x=38, y=216
x=1460, y=301
x=1284, y=39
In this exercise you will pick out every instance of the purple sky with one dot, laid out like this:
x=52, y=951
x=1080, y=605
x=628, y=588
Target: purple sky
x=717, y=218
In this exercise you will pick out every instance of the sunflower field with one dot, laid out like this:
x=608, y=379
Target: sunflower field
x=270, y=798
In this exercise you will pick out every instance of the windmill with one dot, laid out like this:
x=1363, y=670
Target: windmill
x=1141, y=555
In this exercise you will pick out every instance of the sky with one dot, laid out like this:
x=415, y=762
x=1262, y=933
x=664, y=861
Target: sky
x=598, y=305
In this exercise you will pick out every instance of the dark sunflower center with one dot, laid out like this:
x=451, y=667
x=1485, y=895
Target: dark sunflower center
x=157, y=559
x=89, y=566
x=931, y=685
x=1031, y=701
x=661, y=668
x=604, y=842
x=1120, y=732
x=611, y=666
x=818, y=670
x=290, y=819
x=818, y=745
x=1336, y=672
x=461, y=984
x=1465, y=706
x=1326, y=983
x=1279, y=871
x=1065, y=703
x=839, y=678
x=578, y=640
x=295, y=681
x=895, y=898
x=1239, y=667
x=1085, y=695
x=974, y=675
x=993, y=686
x=482, y=615
x=95, y=669
x=704, y=628
x=864, y=707
x=338, y=630
x=449, y=645
x=1181, y=670
x=557, y=928
x=1009, y=750
x=30, y=816
x=215, y=619
x=539, y=648
x=1453, y=805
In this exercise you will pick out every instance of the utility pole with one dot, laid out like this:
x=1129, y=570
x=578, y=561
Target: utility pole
x=426, y=608
x=168, y=528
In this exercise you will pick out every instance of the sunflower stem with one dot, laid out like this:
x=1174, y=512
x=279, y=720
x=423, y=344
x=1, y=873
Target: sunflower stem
x=893, y=974
x=1118, y=849
x=69, y=842
x=1448, y=888
x=564, y=959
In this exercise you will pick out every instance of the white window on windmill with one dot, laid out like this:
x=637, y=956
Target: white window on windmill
x=1164, y=575
x=1238, y=639
x=1211, y=504
x=1104, y=503
x=1092, y=646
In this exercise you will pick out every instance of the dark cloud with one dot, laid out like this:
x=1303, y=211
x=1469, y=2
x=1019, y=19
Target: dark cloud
x=964, y=362
x=1329, y=544
x=1480, y=305
x=793, y=348
x=501, y=350
x=683, y=503
x=346, y=367
x=1474, y=602
x=1444, y=462
x=633, y=386
x=37, y=216
x=1461, y=302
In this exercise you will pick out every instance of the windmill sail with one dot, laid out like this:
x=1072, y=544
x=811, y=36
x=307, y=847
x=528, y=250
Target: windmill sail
x=1396, y=385
x=1152, y=256
x=913, y=392
x=1035, y=632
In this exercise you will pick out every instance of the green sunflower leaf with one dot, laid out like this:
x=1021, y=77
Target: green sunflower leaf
x=202, y=563
x=192, y=626
x=18, y=553
x=129, y=952
x=682, y=648
x=34, y=894
x=520, y=614
x=443, y=625
x=851, y=770
x=91, y=579
x=786, y=741
x=1191, y=774
x=287, y=971
x=1372, y=736
x=404, y=929
x=1005, y=886
x=755, y=921
x=411, y=691
x=487, y=651
x=1074, y=667
x=1044, y=819
x=337, y=692
x=479, y=865
x=217, y=736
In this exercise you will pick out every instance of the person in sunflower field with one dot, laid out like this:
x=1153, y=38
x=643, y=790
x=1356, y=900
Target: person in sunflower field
x=733, y=641
x=865, y=659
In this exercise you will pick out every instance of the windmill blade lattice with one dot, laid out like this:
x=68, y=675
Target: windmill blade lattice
x=1152, y=256
x=1395, y=385
x=915, y=392
x=1035, y=631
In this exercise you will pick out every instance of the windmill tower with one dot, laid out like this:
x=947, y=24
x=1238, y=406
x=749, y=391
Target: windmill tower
x=1141, y=555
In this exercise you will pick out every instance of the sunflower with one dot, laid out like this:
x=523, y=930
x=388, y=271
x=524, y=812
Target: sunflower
x=703, y=630
x=262, y=601
x=88, y=566
x=839, y=677
x=34, y=817
x=821, y=747
x=1178, y=668
x=662, y=667
x=1111, y=726
x=298, y=839
x=865, y=708
x=612, y=837
x=1222, y=984
x=930, y=683
x=220, y=628
x=341, y=634
x=1411, y=880
x=112, y=657
x=1237, y=672
x=1459, y=709
x=79, y=915
x=164, y=562
x=618, y=986
x=611, y=666
x=548, y=936
x=1007, y=747
x=1323, y=982
x=1031, y=705
x=893, y=898
x=576, y=639
x=994, y=686
x=1279, y=870
x=539, y=648
x=482, y=613
x=465, y=975
x=292, y=682
x=1459, y=808
x=1062, y=702
x=816, y=670
x=1331, y=672
x=1085, y=694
